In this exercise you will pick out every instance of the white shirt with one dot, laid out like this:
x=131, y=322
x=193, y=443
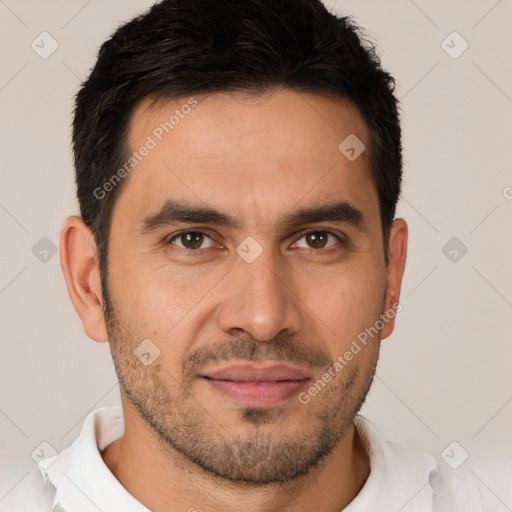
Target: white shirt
x=77, y=479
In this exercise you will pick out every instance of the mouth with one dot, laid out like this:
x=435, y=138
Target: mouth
x=257, y=384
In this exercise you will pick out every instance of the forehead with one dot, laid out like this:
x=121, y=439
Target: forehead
x=255, y=156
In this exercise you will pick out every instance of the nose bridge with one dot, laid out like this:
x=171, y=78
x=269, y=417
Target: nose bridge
x=257, y=298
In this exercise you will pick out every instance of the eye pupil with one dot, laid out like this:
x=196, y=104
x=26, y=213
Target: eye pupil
x=317, y=239
x=192, y=240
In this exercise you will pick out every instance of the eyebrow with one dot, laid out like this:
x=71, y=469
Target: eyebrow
x=174, y=212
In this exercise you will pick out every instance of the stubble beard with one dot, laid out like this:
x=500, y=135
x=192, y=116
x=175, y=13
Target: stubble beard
x=259, y=453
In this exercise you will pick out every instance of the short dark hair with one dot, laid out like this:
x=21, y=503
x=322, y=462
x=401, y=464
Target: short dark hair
x=184, y=47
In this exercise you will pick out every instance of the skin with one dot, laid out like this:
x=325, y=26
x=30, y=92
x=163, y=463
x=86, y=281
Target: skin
x=257, y=158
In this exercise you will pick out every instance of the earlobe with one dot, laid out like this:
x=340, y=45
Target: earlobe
x=80, y=266
x=395, y=272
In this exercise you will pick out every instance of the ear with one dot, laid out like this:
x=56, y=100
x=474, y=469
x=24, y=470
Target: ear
x=80, y=266
x=397, y=250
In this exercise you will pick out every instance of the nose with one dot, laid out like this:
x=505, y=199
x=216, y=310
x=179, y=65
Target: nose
x=260, y=298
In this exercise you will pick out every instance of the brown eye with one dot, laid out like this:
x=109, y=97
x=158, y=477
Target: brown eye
x=317, y=240
x=191, y=240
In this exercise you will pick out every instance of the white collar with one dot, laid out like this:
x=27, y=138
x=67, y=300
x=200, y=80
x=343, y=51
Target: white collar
x=398, y=480
x=83, y=481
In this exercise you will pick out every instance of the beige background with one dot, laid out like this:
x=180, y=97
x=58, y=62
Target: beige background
x=445, y=373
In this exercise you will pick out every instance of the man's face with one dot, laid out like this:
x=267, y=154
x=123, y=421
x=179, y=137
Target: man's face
x=249, y=306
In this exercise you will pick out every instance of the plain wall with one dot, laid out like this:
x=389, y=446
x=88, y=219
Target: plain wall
x=443, y=376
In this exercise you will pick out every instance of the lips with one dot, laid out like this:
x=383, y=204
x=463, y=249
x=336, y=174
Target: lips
x=257, y=384
x=254, y=372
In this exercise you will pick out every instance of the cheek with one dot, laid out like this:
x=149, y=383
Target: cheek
x=159, y=301
x=345, y=302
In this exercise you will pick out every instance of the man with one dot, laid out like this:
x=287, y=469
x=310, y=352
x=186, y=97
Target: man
x=238, y=166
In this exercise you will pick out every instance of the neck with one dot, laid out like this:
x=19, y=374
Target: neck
x=163, y=479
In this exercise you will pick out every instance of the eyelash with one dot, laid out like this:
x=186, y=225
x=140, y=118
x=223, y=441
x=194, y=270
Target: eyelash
x=342, y=240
